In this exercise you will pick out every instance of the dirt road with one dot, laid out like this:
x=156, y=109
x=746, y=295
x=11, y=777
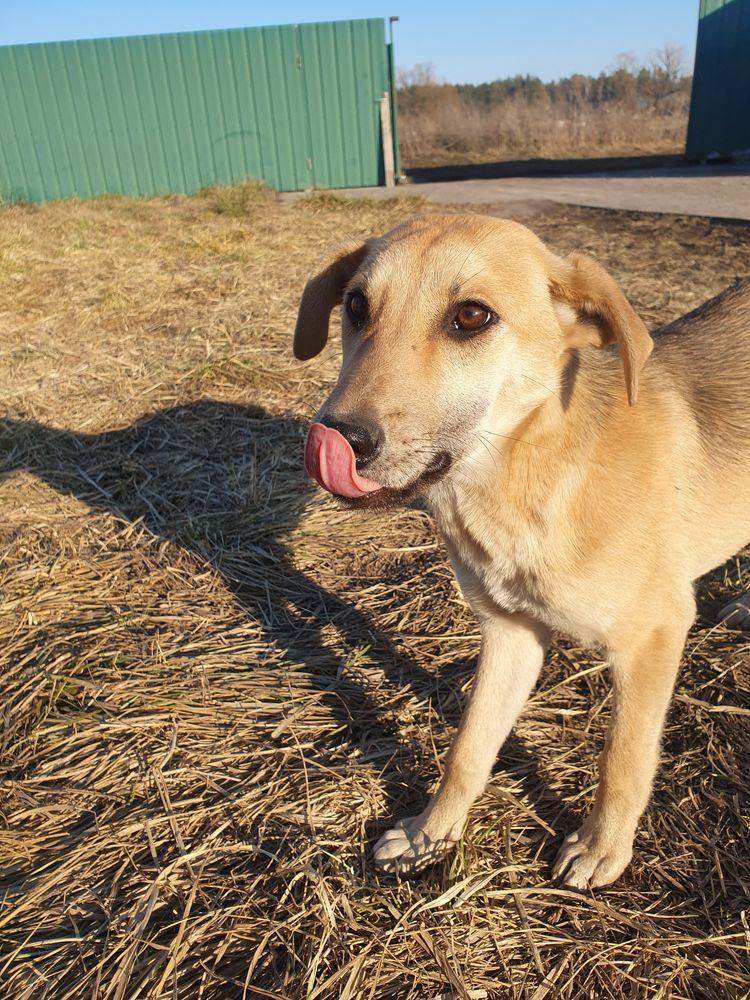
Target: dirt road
x=721, y=192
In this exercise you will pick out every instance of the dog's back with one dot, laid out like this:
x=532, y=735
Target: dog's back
x=707, y=352
x=706, y=356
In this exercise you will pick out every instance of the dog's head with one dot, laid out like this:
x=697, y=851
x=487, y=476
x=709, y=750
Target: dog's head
x=454, y=327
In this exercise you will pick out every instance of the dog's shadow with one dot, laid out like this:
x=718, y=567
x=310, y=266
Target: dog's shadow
x=224, y=481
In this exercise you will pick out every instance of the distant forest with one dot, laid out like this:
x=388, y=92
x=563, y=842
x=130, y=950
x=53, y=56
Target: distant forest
x=630, y=109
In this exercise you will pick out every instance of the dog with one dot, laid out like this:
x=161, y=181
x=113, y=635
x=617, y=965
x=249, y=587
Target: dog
x=581, y=472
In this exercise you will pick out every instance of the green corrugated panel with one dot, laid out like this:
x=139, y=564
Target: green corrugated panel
x=345, y=69
x=720, y=102
x=295, y=106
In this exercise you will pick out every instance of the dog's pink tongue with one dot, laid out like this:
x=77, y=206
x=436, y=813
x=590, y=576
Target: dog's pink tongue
x=330, y=459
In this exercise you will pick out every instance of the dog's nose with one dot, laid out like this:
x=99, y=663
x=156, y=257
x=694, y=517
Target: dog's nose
x=364, y=438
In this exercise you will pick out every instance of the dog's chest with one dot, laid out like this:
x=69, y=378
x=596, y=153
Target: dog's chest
x=512, y=563
x=503, y=558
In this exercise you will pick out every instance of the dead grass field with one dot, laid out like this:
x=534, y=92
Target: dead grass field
x=458, y=132
x=218, y=689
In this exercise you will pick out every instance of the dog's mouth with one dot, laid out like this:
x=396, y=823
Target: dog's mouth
x=388, y=496
x=330, y=460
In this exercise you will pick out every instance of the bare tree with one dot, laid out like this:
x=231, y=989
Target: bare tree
x=624, y=62
x=667, y=72
x=670, y=60
x=419, y=75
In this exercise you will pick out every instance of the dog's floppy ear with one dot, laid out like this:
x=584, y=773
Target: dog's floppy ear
x=606, y=315
x=321, y=293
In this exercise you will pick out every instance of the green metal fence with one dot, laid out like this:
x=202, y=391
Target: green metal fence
x=720, y=102
x=295, y=106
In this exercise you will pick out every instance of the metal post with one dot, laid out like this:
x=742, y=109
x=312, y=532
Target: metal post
x=394, y=106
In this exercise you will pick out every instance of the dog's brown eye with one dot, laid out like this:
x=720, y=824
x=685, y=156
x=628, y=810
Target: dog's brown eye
x=471, y=317
x=356, y=306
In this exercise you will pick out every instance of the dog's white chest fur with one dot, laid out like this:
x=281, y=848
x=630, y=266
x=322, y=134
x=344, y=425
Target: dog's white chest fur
x=507, y=563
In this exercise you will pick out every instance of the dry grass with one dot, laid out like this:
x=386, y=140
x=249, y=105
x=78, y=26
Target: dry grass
x=454, y=130
x=217, y=688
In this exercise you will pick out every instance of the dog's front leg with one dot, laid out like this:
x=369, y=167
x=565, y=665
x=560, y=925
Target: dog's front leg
x=511, y=656
x=643, y=674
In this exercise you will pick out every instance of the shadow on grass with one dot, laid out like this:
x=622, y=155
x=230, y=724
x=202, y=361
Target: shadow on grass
x=225, y=482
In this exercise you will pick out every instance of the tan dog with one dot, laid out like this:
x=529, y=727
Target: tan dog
x=575, y=488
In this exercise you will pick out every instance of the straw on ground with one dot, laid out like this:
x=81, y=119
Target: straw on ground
x=218, y=689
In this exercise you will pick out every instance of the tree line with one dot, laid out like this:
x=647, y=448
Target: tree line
x=662, y=84
x=630, y=109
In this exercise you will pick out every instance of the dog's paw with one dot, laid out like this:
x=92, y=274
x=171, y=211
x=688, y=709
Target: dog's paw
x=736, y=614
x=409, y=846
x=586, y=861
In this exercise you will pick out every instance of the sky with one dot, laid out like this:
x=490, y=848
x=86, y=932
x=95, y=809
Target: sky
x=466, y=41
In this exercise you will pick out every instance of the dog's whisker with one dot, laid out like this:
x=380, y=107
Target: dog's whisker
x=510, y=437
x=488, y=449
x=456, y=284
x=536, y=381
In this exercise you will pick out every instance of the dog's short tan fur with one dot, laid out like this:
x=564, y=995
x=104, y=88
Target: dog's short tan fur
x=588, y=488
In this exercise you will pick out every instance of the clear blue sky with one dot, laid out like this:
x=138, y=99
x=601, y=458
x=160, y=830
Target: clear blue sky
x=466, y=40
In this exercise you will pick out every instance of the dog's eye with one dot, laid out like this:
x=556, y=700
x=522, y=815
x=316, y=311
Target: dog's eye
x=356, y=307
x=471, y=317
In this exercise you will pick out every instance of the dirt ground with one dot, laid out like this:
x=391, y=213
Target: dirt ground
x=719, y=192
x=218, y=689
